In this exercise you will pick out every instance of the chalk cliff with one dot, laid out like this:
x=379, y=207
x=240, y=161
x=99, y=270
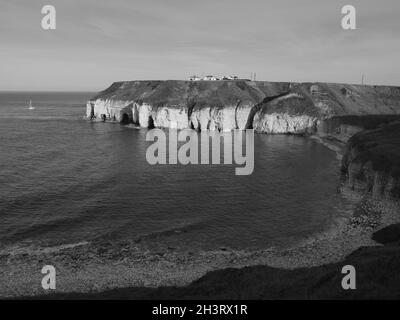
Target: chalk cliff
x=269, y=107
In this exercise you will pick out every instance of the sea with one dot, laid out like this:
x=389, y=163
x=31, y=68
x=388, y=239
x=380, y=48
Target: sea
x=65, y=180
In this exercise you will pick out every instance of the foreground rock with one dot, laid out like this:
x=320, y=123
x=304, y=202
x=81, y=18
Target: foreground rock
x=269, y=107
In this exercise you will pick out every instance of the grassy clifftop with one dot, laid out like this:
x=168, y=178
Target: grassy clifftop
x=185, y=93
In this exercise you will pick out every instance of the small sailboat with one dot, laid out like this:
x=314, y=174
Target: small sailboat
x=30, y=105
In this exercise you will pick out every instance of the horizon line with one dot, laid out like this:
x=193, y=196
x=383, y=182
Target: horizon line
x=241, y=79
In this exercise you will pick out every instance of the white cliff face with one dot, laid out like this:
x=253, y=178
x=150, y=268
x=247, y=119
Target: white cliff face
x=145, y=115
x=284, y=123
x=89, y=110
x=135, y=113
x=291, y=113
x=206, y=118
x=201, y=118
x=171, y=117
x=163, y=117
x=243, y=114
x=114, y=110
x=214, y=118
x=223, y=119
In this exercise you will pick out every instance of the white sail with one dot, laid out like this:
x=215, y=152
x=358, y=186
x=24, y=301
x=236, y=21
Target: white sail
x=30, y=105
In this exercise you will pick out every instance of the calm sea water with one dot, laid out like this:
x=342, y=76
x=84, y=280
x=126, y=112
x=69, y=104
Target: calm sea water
x=65, y=180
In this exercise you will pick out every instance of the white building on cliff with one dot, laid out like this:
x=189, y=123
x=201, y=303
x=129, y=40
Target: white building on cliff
x=210, y=78
x=194, y=78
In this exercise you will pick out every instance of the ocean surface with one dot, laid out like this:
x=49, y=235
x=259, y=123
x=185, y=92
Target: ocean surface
x=65, y=180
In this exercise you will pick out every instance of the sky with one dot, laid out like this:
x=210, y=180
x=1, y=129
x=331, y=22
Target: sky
x=97, y=42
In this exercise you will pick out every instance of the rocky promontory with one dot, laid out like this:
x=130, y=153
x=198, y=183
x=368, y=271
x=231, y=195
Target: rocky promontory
x=268, y=107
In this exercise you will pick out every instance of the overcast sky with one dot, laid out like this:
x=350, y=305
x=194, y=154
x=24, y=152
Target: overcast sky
x=100, y=41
